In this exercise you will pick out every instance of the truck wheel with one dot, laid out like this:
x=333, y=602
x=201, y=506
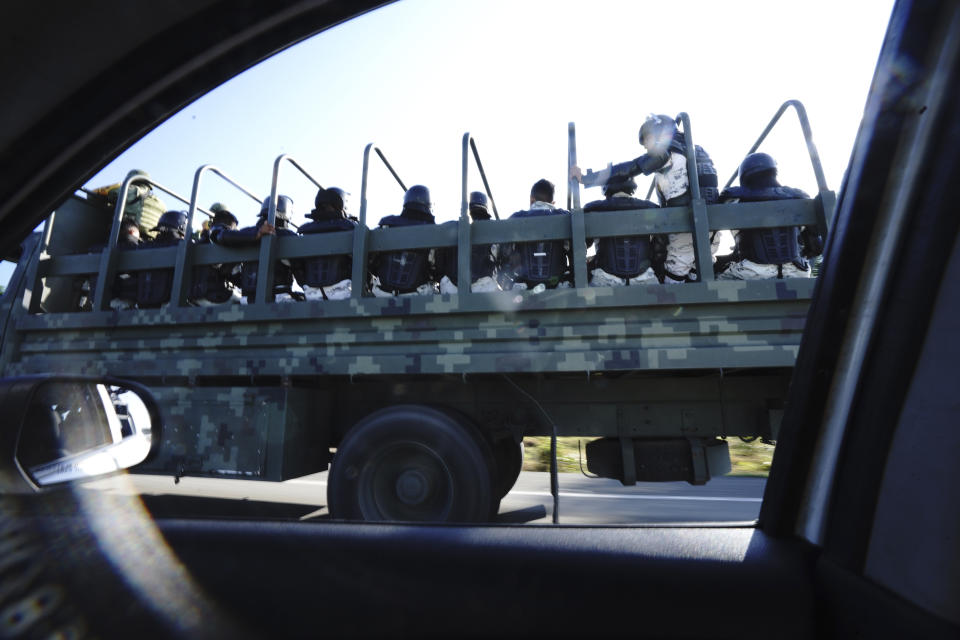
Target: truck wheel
x=411, y=463
x=509, y=457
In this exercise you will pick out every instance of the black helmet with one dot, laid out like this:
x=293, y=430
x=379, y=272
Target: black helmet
x=418, y=197
x=284, y=208
x=175, y=221
x=757, y=163
x=478, y=206
x=619, y=185
x=222, y=215
x=333, y=197
x=661, y=128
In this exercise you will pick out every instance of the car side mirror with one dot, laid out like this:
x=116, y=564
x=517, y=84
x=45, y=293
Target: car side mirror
x=74, y=429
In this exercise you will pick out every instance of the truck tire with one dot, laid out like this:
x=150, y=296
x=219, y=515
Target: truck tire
x=509, y=458
x=411, y=463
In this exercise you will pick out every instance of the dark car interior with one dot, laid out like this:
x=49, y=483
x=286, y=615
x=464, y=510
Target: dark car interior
x=859, y=528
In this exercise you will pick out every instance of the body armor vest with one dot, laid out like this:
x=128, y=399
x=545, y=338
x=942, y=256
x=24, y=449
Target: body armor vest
x=323, y=271
x=768, y=246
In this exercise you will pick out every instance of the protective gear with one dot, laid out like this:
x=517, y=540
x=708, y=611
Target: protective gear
x=173, y=222
x=284, y=208
x=402, y=271
x=331, y=199
x=543, y=262
x=658, y=130
x=764, y=253
x=405, y=271
x=618, y=204
x=619, y=185
x=418, y=197
x=625, y=257
x=478, y=206
x=757, y=163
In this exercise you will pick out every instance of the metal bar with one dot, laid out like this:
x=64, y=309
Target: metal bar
x=483, y=176
x=698, y=208
x=653, y=184
x=464, y=249
x=178, y=295
x=360, y=233
x=578, y=239
x=807, y=137
x=384, y=158
x=108, y=260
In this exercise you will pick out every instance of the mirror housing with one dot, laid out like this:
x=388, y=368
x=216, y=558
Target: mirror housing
x=63, y=428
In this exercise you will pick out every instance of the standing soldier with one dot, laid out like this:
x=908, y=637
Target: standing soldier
x=327, y=277
x=762, y=254
x=408, y=271
x=142, y=204
x=666, y=158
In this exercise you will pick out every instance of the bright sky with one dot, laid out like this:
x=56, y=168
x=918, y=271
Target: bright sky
x=412, y=77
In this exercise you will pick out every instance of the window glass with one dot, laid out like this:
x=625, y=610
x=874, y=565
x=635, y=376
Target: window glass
x=412, y=77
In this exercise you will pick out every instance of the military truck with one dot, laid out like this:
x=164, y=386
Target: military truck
x=419, y=404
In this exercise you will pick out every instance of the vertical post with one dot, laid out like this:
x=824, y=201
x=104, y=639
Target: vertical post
x=178, y=292
x=360, y=233
x=37, y=287
x=578, y=240
x=108, y=261
x=464, y=248
x=701, y=224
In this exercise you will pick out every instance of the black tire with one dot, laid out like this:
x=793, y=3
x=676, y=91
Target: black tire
x=411, y=463
x=509, y=458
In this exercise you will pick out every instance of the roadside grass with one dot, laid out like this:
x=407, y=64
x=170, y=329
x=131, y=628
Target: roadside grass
x=746, y=458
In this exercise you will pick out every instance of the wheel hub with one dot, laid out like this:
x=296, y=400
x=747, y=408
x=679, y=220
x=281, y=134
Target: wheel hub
x=412, y=487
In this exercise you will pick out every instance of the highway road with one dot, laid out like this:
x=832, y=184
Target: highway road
x=582, y=500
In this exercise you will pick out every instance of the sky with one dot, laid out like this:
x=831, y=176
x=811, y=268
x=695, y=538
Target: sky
x=413, y=76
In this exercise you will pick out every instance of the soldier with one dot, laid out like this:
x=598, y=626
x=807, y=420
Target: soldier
x=141, y=205
x=124, y=290
x=215, y=284
x=762, y=254
x=409, y=271
x=327, y=277
x=623, y=260
x=282, y=271
x=483, y=258
x=666, y=158
x=539, y=265
x=154, y=285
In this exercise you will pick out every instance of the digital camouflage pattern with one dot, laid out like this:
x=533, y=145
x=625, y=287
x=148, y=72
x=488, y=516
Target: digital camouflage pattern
x=264, y=390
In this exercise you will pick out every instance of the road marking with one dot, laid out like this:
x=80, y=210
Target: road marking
x=618, y=496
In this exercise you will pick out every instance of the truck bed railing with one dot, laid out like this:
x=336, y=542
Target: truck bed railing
x=698, y=219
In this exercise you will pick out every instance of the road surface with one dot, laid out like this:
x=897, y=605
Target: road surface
x=582, y=500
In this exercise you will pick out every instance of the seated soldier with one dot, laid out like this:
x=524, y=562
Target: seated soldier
x=544, y=264
x=124, y=290
x=622, y=260
x=483, y=258
x=250, y=236
x=408, y=271
x=327, y=277
x=215, y=284
x=666, y=158
x=762, y=254
x=154, y=285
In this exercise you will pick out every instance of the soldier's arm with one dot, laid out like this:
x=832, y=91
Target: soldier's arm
x=645, y=164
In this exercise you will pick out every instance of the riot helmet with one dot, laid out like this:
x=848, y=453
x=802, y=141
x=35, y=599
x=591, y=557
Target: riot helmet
x=332, y=198
x=478, y=206
x=284, y=208
x=757, y=166
x=619, y=185
x=222, y=215
x=137, y=172
x=417, y=197
x=174, y=222
x=658, y=131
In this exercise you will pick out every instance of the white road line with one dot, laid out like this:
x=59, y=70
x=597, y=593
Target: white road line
x=619, y=496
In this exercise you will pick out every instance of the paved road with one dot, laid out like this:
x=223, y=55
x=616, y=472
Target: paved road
x=582, y=500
